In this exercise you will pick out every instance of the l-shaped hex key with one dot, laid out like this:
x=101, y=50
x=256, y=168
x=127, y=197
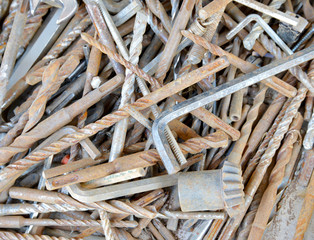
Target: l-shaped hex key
x=215, y=94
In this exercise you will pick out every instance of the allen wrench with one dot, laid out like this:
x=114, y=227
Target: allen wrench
x=273, y=36
x=159, y=126
x=265, y=26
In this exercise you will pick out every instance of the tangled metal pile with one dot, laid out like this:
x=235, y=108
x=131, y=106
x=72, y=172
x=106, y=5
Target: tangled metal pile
x=156, y=119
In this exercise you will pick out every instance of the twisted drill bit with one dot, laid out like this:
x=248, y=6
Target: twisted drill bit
x=257, y=30
x=237, y=151
x=246, y=67
x=265, y=143
x=77, y=25
x=174, y=39
x=245, y=227
x=295, y=71
x=250, y=190
x=105, y=223
x=70, y=61
x=21, y=144
x=60, y=202
x=276, y=176
x=19, y=221
x=32, y=25
x=12, y=47
x=7, y=25
x=25, y=236
x=51, y=83
x=141, y=159
x=116, y=57
x=127, y=91
x=158, y=9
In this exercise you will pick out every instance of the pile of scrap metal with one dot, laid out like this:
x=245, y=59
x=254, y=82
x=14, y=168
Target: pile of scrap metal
x=156, y=119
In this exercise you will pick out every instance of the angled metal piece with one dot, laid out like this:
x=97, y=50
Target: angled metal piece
x=265, y=26
x=217, y=93
x=69, y=7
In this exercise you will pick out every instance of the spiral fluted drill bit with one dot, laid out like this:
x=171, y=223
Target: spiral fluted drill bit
x=264, y=144
x=156, y=26
x=21, y=144
x=116, y=57
x=257, y=30
x=158, y=9
x=7, y=25
x=59, y=202
x=19, y=221
x=250, y=190
x=51, y=83
x=70, y=61
x=276, y=176
x=245, y=227
x=25, y=236
x=12, y=47
x=32, y=25
x=106, y=225
x=127, y=91
x=295, y=71
x=237, y=151
x=77, y=25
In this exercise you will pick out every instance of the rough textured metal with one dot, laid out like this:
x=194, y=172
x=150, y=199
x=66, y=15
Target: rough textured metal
x=141, y=159
x=158, y=9
x=217, y=189
x=105, y=223
x=78, y=24
x=257, y=30
x=251, y=188
x=58, y=202
x=127, y=91
x=10, y=53
x=306, y=212
x=244, y=66
x=19, y=221
x=295, y=71
x=69, y=63
x=25, y=236
x=264, y=144
x=50, y=84
x=202, y=99
x=139, y=72
x=275, y=178
x=238, y=148
x=309, y=137
x=107, y=121
x=174, y=39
